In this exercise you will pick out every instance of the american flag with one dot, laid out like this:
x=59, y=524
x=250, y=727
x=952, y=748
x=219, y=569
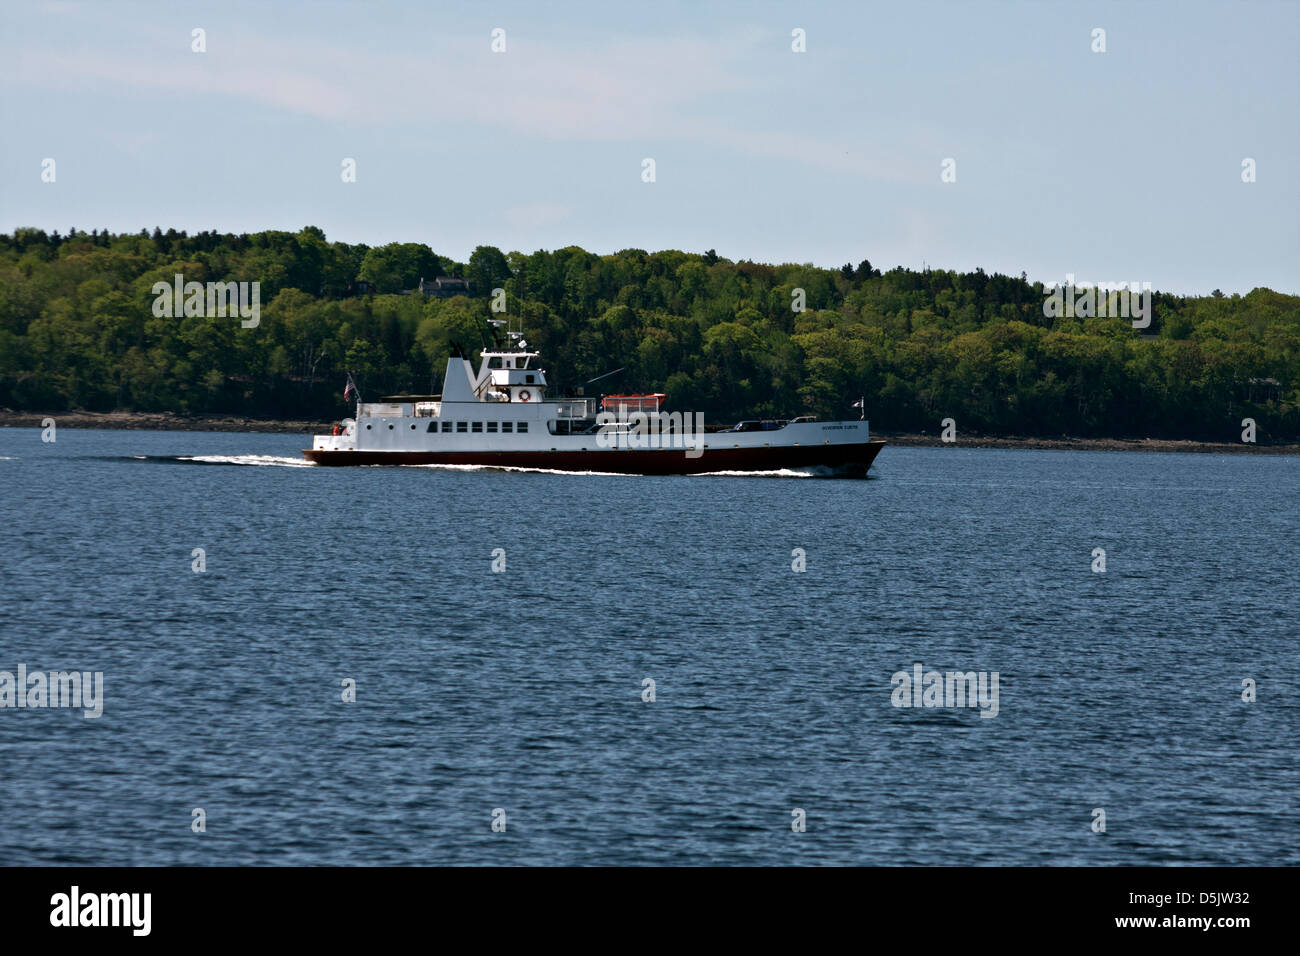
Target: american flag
x=859, y=403
x=349, y=390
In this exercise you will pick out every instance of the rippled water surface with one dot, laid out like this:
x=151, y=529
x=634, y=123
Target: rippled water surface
x=522, y=690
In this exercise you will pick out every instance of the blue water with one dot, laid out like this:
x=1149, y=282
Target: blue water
x=522, y=690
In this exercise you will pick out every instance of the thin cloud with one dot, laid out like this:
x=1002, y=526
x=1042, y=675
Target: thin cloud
x=627, y=91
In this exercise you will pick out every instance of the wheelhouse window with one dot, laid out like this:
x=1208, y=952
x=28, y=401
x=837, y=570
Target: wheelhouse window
x=529, y=379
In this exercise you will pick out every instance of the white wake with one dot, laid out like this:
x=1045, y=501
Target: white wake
x=520, y=468
x=272, y=461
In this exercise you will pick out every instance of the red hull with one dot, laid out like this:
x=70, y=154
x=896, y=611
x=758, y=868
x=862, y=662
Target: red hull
x=848, y=459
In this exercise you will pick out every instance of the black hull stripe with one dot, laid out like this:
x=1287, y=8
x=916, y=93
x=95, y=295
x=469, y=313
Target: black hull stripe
x=851, y=457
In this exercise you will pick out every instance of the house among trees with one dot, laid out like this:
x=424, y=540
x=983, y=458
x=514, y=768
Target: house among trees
x=443, y=287
x=1264, y=390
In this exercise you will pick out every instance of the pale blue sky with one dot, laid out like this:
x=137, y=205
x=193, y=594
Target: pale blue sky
x=1117, y=166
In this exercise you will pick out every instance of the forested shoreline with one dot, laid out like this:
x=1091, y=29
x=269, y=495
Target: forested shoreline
x=78, y=331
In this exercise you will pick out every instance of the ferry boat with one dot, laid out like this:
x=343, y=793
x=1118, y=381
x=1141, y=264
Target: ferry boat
x=501, y=416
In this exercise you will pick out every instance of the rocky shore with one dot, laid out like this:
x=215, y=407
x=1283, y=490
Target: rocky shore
x=1087, y=444
x=170, y=421
x=158, y=421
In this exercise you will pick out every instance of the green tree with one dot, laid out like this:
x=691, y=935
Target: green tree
x=399, y=266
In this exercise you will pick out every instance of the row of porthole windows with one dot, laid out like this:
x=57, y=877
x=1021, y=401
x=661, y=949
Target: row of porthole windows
x=479, y=427
x=462, y=427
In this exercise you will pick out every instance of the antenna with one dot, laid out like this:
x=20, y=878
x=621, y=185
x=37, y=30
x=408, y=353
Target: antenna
x=606, y=375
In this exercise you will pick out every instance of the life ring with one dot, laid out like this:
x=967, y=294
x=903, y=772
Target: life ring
x=525, y=395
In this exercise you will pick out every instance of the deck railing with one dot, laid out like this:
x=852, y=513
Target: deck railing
x=576, y=408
